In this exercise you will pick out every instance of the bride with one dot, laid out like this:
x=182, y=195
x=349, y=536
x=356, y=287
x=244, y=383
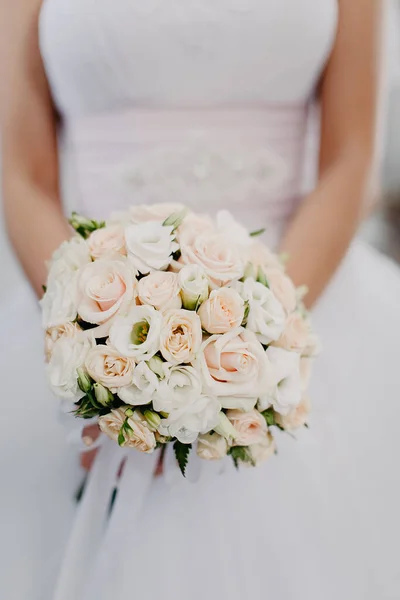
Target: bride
x=207, y=102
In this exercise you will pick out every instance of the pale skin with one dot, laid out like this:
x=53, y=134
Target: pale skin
x=319, y=233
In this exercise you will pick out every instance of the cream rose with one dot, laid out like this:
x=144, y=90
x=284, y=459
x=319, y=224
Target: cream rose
x=212, y=447
x=60, y=301
x=287, y=389
x=220, y=258
x=136, y=431
x=143, y=213
x=266, y=316
x=161, y=290
x=180, y=383
x=137, y=334
x=235, y=368
x=283, y=288
x=70, y=330
x=105, y=365
x=106, y=241
x=262, y=451
x=251, y=427
x=105, y=288
x=295, y=335
x=223, y=311
x=261, y=257
x=143, y=387
x=181, y=336
x=296, y=418
x=192, y=226
x=193, y=282
x=68, y=355
x=197, y=415
x=233, y=230
x=150, y=246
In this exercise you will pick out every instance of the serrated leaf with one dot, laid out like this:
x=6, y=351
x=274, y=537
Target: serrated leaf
x=182, y=452
x=241, y=454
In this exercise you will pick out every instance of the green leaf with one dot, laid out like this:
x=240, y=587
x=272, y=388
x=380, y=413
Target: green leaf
x=121, y=437
x=261, y=277
x=257, y=232
x=44, y=288
x=269, y=416
x=241, y=454
x=246, y=313
x=182, y=452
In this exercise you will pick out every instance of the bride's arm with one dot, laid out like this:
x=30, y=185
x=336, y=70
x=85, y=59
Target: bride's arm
x=324, y=225
x=32, y=205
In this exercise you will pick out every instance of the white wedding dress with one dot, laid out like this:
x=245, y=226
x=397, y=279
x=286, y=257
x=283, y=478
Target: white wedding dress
x=207, y=102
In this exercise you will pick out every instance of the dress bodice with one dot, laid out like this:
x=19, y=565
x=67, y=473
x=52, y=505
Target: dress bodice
x=202, y=101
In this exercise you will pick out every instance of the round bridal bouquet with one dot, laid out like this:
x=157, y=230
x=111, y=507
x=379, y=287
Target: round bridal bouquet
x=167, y=326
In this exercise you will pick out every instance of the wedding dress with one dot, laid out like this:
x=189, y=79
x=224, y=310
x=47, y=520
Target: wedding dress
x=207, y=102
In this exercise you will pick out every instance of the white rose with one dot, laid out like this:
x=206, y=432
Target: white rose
x=143, y=387
x=181, y=336
x=266, y=316
x=220, y=258
x=251, y=427
x=70, y=330
x=150, y=246
x=212, y=447
x=161, y=290
x=223, y=311
x=137, y=334
x=197, y=415
x=235, y=368
x=297, y=417
x=143, y=213
x=180, y=383
x=105, y=288
x=233, y=230
x=193, y=225
x=283, y=288
x=261, y=257
x=193, y=282
x=107, y=240
x=106, y=366
x=136, y=433
x=68, y=355
x=286, y=392
x=262, y=451
x=59, y=303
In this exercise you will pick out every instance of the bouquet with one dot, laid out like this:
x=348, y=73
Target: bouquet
x=166, y=326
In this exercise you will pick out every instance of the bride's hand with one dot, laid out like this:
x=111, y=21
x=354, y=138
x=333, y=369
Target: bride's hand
x=91, y=433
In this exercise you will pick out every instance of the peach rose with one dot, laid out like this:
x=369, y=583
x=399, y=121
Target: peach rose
x=223, y=311
x=181, y=336
x=220, y=258
x=251, y=427
x=105, y=287
x=282, y=287
x=105, y=365
x=134, y=428
x=261, y=257
x=193, y=225
x=70, y=330
x=161, y=290
x=212, y=447
x=262, y=451
x=235, y=368
x=296, y=418
x=108, y=240
x=295, y=335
